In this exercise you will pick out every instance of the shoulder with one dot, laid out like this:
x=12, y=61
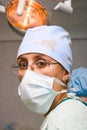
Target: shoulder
x=67, y=115
x=71, y=107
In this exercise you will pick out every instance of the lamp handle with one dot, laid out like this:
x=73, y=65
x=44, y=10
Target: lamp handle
x=20, y=7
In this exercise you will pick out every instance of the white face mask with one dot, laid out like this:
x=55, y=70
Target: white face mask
x=36, y=91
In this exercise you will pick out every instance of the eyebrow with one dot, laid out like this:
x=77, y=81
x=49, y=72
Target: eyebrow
x=21, y=59
x=35, y=57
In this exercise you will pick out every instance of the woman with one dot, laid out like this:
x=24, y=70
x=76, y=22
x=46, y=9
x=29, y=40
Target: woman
x=44, y=63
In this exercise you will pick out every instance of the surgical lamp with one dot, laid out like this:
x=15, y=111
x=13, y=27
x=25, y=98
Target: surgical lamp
x=24, y=14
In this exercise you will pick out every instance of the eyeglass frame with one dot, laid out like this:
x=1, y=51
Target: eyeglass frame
x=17, y=66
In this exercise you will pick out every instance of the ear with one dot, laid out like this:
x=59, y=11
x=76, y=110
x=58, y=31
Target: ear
x=66, y=76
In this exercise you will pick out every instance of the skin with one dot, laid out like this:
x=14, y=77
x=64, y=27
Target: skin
x=53, y=71
x=84, y=99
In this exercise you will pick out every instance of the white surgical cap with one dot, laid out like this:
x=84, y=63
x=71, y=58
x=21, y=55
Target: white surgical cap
x=78, y=81
x=53, y=41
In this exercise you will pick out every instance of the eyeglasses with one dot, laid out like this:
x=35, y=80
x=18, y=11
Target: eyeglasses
x=41, y=64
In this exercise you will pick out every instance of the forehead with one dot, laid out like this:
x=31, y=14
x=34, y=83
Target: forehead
x=34, y=56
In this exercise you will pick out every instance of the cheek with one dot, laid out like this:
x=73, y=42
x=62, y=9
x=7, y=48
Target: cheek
x=59, y=73
x=45, y=71
x=20, y=75
x=53, y=72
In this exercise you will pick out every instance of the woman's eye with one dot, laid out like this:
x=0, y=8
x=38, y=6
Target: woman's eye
x=41, y=64
x=23, y=65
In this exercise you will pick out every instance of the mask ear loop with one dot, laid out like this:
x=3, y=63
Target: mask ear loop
x=59, y=81
x=71, y=89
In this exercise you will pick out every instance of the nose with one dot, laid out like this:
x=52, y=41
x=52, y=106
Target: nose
x=31, y=67
x=22, y=72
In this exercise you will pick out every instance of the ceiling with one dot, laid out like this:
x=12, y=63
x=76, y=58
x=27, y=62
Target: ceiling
x=75, y=23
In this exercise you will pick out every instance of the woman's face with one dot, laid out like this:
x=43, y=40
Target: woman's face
x=42, y=64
